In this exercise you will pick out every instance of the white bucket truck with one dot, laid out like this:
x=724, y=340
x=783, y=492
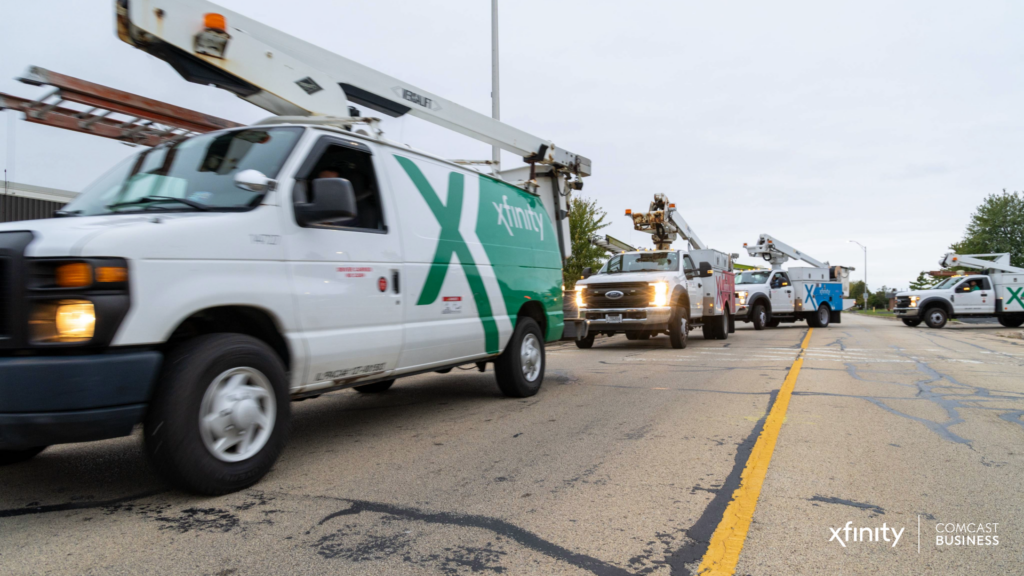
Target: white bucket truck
x=201, y=285
x=766, y=298
x=649, y=292
x=997, y=292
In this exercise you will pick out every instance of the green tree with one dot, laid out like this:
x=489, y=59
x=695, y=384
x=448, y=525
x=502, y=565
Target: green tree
x=879, y=299
x=857, y=291
x=924, y=281
x=585, y=219
x=996, y=226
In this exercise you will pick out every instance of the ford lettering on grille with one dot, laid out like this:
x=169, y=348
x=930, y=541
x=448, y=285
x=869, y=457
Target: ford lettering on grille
x=613, y=294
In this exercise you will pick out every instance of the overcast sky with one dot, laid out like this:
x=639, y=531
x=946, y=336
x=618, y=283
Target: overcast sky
x=882, y=122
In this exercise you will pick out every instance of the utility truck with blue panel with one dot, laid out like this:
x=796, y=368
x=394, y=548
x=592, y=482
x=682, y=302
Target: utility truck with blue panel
x=767, y=298
x=661, y=291
x=998, y=291
x=204, y=283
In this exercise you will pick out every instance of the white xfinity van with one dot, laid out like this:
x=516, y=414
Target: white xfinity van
x=201, y=285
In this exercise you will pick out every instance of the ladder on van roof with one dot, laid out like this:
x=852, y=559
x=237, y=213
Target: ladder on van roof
x=287, y=76
x=90, y=108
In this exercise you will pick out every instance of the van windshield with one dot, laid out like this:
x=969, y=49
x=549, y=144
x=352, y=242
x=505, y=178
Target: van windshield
x=197, y=173
x=642, y=262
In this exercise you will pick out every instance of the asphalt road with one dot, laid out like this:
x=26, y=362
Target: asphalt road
x=625, y=463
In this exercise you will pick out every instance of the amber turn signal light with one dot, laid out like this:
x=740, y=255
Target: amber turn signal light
x=74, y=275
x=111, y=274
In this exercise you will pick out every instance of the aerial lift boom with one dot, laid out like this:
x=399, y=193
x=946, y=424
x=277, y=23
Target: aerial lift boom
x=1001, y=263
x=208, y=44
x=778, y=253
x=665, y=225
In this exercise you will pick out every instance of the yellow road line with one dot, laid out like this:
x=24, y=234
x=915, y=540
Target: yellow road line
x=723, y=552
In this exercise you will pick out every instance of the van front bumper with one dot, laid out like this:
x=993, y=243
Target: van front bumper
x=48, y=400
x=906, y=312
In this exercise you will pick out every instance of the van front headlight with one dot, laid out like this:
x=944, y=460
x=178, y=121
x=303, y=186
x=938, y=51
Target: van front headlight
x=579, y=297
x=741, y=297
x=660, y=294
x=914, y=300
x=63, y=321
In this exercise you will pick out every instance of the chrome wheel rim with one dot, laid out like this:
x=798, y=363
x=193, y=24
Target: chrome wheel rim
x=529, y=356
x=823, y=315
x=936, y=317
x=764, y=317
x=237, y=415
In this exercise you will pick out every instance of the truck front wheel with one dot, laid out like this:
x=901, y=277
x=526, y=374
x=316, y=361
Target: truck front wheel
x=912, y=322
x=759, y=317
x=520, y=368
x=677, y=329
x=935, y=317
x=219, y=417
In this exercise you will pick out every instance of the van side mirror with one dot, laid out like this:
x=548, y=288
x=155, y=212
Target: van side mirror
x=705, y=270
x=333, y=199
x=587, y=272
x=253, y=181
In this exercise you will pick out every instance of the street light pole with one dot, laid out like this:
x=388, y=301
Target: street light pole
x=865, y=248
x=495, y=94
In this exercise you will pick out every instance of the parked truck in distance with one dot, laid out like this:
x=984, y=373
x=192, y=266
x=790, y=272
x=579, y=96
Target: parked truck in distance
x=651, y=292
x=996, y=292
x=766, y=298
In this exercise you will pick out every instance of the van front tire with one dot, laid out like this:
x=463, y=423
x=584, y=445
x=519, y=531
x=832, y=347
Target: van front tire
x=219, y=417
x=520, y=368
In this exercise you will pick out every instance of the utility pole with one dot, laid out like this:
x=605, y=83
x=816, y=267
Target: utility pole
x=495, y=93
x=865, y=248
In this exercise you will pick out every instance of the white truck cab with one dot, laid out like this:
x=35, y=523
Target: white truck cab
x=997, y=292
x=201, y=285
x=642, y=294
x=645, y=293
x=766, y=298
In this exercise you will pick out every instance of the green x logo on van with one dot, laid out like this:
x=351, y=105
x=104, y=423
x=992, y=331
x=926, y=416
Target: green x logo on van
x=1015, y=295
x=450, y=242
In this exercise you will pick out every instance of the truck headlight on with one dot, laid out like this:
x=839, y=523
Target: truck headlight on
x=914, y=300
x=741, y=298
x=579, y=297
x=63, y=321
x=660, y=294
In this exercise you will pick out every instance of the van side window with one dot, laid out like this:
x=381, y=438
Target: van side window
x=780, y=280
x=356, y=166
x=687, y=264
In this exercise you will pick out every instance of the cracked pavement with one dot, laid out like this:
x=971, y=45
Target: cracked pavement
x=623, y=464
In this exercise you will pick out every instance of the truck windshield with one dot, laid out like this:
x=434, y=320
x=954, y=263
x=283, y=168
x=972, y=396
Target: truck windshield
x=947, y=283
x=193, y=174
x=753, y=277
x=643, y=262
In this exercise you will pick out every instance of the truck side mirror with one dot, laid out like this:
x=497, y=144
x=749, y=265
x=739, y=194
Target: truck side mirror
x=705, y=269
x=587, y=272
x=333, y=199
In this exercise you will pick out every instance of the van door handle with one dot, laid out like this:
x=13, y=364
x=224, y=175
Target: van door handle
x=394, y=281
